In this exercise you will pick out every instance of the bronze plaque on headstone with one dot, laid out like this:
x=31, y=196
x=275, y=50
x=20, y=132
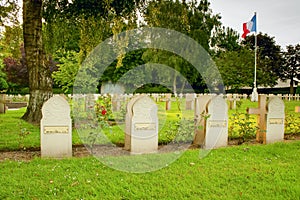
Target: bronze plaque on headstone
x=144, y=126
x=276, y=121
x=56, y=130
x=217, y=123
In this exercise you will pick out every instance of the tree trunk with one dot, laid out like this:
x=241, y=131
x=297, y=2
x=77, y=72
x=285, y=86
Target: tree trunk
x=292, y=86
x=174, y=82
x=40, y=82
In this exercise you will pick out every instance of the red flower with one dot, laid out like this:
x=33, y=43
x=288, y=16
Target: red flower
x=103, y=112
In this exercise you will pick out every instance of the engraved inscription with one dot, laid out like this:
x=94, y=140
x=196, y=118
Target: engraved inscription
x=217, y=123
x=56, y=130
x=276, y=121
x=144, y=126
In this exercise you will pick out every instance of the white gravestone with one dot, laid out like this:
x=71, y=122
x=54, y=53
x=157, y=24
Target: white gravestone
x=144, y=126
x=128, y=122
x=217, y=124
x=275, y=120
x=199, y=114
x=56, y=128
x=189, y=101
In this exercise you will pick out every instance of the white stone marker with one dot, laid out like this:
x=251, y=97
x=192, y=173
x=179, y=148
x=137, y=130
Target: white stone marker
x=56, y=128
x=199, y=114
x=189, y=101
x=128, y=122
x=217, y=124
x=144, y=126
x=275, y=120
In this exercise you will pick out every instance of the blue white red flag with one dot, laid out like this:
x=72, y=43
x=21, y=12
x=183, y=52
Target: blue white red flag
x=249, y=27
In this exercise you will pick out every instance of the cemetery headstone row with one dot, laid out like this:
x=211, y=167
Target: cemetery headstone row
x=141, y=129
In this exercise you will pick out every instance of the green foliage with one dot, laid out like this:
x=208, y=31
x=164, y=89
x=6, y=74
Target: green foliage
x=22, y=135
x=61, y=34
x=291, y=65
x=269, y=57
x=236, y=67
x=10, y=49
x=67, y=71
x=298, y=89
x=292, y=122
x=9, y=12
x=3, y=83
x=11, y=41
x=242, y=126
x=103, y=109
x=179, y=131
x=193, y=20
x=225, y=39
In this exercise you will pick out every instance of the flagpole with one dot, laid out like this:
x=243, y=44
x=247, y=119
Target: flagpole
x=254, y=96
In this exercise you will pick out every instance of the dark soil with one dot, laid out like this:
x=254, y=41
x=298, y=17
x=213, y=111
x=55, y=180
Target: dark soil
x=103, y=150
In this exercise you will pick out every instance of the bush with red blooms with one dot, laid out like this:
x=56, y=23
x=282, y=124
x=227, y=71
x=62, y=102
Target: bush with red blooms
x=103, y=108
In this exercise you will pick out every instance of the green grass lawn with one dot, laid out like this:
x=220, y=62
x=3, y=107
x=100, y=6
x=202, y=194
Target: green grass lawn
x=239, y=172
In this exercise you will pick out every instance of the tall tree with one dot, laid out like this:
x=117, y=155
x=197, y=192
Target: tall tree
x=193, y=19
x=291, y=65
x=224, y=39
x=269, y=54
x=236, y=68
x=40, y=82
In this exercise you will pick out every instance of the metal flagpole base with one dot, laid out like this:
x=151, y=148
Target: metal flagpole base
x=254, y=95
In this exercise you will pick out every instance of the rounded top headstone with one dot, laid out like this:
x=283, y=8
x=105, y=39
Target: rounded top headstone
x=57, y=107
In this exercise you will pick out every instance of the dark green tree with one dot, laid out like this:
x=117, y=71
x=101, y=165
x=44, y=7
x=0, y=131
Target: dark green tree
x=236, y=68
x=269, y=55
x=193, y=19
x=291, y=65
x=225, y=39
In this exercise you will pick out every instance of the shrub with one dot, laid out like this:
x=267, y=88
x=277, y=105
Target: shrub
x=292, y=122
x=298, y=90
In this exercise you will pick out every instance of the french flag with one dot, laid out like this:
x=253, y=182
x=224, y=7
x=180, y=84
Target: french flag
x=249, y=27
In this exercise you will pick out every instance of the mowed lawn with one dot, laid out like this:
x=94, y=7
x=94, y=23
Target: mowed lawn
x=239, y=172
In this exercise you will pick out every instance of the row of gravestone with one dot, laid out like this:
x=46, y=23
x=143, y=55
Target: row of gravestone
x=141, y=132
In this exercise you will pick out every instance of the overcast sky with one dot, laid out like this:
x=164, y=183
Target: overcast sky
x=277, y=18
